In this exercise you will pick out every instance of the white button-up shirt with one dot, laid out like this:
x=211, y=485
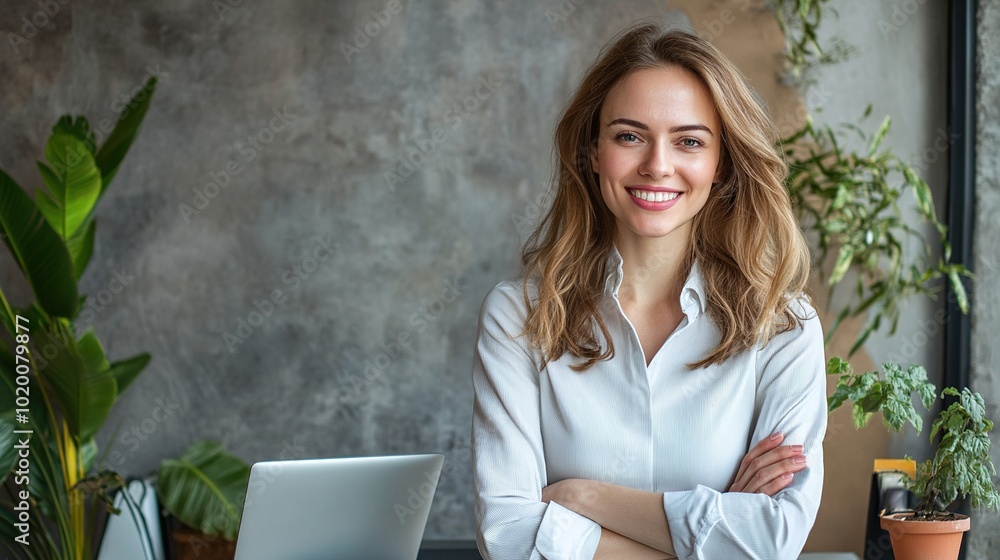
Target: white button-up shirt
x=661, y=428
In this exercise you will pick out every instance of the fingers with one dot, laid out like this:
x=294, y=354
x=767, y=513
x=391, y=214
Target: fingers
x=758, y=450
x=768, y=468
x=771, y=479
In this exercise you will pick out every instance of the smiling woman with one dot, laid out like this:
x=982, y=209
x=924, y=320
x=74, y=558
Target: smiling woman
x=653, y=385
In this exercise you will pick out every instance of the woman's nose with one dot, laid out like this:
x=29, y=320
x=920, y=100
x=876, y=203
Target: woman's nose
x=658, y=161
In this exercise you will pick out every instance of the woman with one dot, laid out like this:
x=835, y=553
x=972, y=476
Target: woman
x=660, y=331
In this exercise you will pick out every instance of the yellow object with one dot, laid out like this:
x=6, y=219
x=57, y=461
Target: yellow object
x=906, y=466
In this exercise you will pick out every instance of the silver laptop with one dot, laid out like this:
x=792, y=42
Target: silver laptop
x=357, y=508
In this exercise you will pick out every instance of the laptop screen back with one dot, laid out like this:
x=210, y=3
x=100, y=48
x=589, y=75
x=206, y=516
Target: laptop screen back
x=357, y=508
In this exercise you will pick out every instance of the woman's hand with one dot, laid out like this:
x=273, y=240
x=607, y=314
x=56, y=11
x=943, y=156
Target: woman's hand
x=768, y=468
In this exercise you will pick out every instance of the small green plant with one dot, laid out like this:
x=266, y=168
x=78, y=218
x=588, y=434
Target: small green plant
x=890, y=393
x=961, y=466
x=204, y=488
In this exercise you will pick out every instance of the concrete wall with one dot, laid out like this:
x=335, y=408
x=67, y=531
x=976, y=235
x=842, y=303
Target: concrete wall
x=381, y=268
x=368, y=349
x=986, y=297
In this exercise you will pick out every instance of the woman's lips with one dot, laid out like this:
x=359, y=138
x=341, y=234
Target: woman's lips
x=654, y=200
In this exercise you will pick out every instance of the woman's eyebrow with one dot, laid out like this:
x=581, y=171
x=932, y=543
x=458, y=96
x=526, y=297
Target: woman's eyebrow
x=642, y=126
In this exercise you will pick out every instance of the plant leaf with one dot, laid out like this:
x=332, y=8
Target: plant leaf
x=125, y=371
x=38, y=250
x=74, y=184
x=79, y=128
x=204, y=488
x=81, y=248
x=879, y=135
x=81, y=380
x=959, y=288
x=110, y=156
x=844, y=257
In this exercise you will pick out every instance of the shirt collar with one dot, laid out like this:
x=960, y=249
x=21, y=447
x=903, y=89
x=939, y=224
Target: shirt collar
x=692, y=294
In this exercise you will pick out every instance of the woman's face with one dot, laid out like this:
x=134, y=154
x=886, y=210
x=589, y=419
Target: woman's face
x=658, y=152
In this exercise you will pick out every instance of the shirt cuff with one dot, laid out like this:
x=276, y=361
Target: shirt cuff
x=566, y=535
x=691, y=514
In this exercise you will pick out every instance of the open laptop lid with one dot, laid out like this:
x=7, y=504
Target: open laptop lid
x=356, y=508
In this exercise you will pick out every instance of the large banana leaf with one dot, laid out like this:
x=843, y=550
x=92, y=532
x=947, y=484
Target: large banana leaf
x=78, y=128
x=80, y=377
x=116, y=146
x=38, y=250
x=73, y=181
x=125, y=371
x=204, y=488
x=81, y=247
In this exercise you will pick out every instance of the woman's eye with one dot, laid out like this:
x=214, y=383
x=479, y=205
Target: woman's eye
x=626, y=136
x=691, y=142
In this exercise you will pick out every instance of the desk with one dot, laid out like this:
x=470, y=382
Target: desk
x=466, y=550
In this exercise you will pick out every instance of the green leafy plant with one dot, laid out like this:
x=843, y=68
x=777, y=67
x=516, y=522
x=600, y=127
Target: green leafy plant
x=56, y=384
x=849, y=202
x=204, y=488
x=961, y=466
x=799, y=21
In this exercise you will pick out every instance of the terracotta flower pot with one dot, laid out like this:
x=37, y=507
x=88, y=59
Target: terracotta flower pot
x=191, y=545
x=924, y=540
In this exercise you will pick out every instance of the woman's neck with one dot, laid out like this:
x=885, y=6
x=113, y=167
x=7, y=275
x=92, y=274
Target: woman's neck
x=654, y=270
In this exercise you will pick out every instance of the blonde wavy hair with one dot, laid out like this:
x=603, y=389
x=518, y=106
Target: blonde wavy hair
x=746, y=239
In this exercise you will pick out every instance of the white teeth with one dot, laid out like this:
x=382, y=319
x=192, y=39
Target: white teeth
x=653, y=196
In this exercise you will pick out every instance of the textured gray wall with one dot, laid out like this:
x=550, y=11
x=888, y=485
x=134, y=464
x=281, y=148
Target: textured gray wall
x=367, y=349
x=986, y=302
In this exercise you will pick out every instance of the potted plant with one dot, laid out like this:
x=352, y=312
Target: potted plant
x=58, y=386
x=961, y=466
x=204, y=489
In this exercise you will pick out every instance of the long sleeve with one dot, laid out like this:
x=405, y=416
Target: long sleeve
x=508, y=458
x=791, y=398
